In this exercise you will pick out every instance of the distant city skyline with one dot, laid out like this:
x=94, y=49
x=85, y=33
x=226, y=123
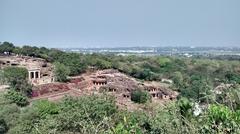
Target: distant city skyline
x=122, y=23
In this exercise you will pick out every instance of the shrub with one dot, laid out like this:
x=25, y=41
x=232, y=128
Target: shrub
x=140, y=96
x=17, y=97
x=3, y=126
x=219, y=113
x=85, y=113
x=232, y=77
x=221, y=119
x=61, y=72
x=185, y=107
x=17, y=78
x=15, y=74
x=45, y=107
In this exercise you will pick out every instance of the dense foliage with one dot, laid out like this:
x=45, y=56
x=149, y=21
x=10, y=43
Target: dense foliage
x=201, y=107
x=16, y=97
x=3, y=126
x=99, y=114
x=61, y=72
x=15, y=75
x=181, y=70
x=19, y=87
x=140, y=96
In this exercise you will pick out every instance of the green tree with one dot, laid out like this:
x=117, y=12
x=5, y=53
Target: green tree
x=9, y=111
x=61, y=72
x=17, y=97
x=127, y=127
x=163, y=61
x=221, y=120
x=6, y=47
x=45, y=107
x=219, y=113
x=84, y=114
x=17, y=78
x=199, y=89
x=178, y=79
x=3, y=126
x=185, y=107
x=140, y=96
x=15, y=75
x=232, y=77
x=168, y=120
x=30, y=51
x=230, y=96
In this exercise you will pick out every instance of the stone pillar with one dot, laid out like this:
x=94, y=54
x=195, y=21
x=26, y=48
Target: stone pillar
x=39, y=74
x=29, y=75
x=34, y=74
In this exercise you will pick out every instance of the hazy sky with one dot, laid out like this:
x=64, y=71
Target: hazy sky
x=113, y=23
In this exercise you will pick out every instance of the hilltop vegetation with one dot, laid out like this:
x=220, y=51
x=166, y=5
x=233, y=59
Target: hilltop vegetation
x=142, y=67
x=200, y=108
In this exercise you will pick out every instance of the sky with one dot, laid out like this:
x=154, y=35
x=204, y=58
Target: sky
x=120, y=23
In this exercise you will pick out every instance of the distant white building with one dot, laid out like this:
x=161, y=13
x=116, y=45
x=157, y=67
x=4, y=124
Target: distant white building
x=187, y=55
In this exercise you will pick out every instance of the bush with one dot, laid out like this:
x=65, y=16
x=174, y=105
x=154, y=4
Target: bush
x=6, y=47
x=10, y=114
x=45, y=107
x=17, y=97
x=219, y=113
x=3, y=126
x=232, y=77
x=130, y=122
x=140, y=96
x=61, y=72
x=15, y=74
x=185, y=107
x=221, y=119
x=82, y=115
x=17, y=78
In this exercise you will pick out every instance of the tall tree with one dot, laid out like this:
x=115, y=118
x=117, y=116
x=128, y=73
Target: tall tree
x=178, y=79
x=61, y=72
x=6, y=47
x=17, y=78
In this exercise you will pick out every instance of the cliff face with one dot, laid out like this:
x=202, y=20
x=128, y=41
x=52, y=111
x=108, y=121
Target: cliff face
x=111, y=82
